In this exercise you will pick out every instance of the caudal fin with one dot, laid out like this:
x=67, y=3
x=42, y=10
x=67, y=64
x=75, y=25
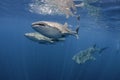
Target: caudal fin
x=77, y=30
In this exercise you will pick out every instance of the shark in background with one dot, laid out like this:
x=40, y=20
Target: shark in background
x=64, y=6
x=67, y=7
x=87, y=54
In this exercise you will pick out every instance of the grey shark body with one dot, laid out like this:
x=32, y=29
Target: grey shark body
x=65, y=6
x=53, y=29
x=35, y=36
x=86, y=55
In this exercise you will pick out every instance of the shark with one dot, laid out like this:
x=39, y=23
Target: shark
x=65, y=6
x=53, y=29
x=37, y=37
x=68, y=7
x=87, y=54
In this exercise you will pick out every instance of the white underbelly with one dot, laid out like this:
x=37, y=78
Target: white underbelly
x=50, y=32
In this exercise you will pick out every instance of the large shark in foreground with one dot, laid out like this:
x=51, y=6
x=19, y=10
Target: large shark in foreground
x=86, y=55
x=37, y=37
x=53, y=29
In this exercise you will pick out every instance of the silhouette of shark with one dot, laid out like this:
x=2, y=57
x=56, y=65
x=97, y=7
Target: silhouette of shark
x=87, y=54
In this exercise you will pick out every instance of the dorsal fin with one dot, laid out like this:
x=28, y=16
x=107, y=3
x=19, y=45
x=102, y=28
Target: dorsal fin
x=66, y=24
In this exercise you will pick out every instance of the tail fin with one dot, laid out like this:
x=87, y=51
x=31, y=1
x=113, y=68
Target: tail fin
x=102, y=49
x=77, y=30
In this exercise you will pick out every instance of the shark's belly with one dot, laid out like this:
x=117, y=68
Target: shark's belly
x=49, y=32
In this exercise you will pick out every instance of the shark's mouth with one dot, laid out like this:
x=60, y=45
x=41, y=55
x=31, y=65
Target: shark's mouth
x=38, y=24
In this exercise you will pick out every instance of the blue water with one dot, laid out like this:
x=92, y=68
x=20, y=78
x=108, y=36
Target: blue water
x=23, y=59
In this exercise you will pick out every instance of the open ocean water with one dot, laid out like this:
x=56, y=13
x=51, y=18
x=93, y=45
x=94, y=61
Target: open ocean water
x=23, y=59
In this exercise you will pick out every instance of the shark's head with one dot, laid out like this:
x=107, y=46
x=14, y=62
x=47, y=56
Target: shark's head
x=46, y=28
x=40, y=26
x=29, y=35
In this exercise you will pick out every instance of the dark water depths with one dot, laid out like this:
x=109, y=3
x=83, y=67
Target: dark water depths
x=22, y=59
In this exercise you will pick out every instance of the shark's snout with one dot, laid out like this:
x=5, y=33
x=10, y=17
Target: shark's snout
x=28, y=34
x=33, y=24
x=36, y=24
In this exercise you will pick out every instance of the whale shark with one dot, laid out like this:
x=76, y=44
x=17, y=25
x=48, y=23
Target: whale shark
x=53, y=29
x=87, y=54
x=65, y=6
x=37, y=37
x=68, y=7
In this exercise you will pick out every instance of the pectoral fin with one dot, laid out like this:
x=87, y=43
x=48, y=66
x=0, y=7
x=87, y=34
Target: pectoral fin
x=61, y=39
